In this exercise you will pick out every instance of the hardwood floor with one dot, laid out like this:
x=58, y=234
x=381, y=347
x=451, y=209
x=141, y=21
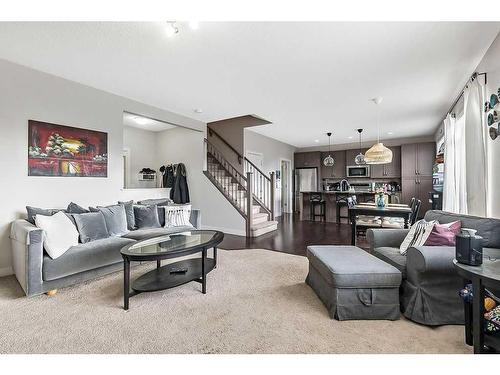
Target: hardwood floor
x=293, y=236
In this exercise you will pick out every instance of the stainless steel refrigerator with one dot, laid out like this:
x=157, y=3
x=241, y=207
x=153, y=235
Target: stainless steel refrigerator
x=306, y=180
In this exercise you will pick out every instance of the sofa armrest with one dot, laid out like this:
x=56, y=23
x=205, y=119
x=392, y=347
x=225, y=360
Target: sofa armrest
x=431, y=259
x=27, y=255
x=385, y=237
x=195, y=218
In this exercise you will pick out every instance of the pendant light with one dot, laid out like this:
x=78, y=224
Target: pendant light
x=360, y=158
x=378, y=153
x=329, y=162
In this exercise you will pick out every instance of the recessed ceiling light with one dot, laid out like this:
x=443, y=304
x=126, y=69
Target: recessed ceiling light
x=141, y=120
x=316, y=140
x=194, y=25
x=198, y=110
x=350, y=137
x=390, y=133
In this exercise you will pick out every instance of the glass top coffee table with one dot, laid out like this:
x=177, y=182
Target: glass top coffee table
x=173, y=274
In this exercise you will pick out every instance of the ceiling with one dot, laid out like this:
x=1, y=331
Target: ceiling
x=145, y=123
x=307, y=78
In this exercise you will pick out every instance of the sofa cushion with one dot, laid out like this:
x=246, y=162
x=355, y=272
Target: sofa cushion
x=84, y=257
x=352, y=267
x=392, y=256
x=146, y=217
x=74, y=208
x=91, y=226
x=115, y=218
x=129, y=212
x=33, y=211
x=487, y=228
x=142, y=234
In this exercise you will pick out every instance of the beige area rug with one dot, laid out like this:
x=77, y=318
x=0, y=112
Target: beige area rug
x=257, y=302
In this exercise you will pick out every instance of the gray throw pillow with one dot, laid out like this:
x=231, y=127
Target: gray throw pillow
x=158, y=202
x=146, y=217
x=129, y=212
x=33, y=211
x=74, y=208
x=115, y=218
x=91, y=226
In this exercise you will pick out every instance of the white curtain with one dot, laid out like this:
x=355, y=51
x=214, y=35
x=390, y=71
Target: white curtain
x=455, y=183
x=476, y=143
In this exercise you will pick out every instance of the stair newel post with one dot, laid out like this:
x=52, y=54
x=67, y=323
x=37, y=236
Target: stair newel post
x=272, y=191
x=249, y=203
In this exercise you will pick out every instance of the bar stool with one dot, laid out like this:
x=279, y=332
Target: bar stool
x=316, y=199
x=341, y=201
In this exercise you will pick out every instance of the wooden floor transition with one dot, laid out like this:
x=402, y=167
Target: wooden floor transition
x=293, y=236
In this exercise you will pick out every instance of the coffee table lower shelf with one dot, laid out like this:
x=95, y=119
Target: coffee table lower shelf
x=161, y=278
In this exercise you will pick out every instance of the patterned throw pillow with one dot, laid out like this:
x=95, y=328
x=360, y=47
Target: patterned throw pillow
x=418, y=234
x=178, y=216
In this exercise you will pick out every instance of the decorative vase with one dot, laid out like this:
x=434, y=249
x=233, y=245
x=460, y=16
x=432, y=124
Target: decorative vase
x=380, y=201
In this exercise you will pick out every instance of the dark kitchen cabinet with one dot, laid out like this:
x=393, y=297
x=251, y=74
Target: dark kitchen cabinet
x=417, y=159
x=307, y=159
x=418, y=187
x=338, y=170
x=391, y=170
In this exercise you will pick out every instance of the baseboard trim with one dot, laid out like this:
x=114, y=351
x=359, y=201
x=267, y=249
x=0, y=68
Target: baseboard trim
x=236, y=232
x=6, y=271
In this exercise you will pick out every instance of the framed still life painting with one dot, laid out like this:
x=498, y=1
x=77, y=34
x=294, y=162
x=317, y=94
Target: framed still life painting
x=65, y=151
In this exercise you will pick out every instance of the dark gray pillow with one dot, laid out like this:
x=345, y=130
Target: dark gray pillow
x=33, y=211
x=158, y=202
x=115, y=218
x=129, y=212
x=146, y=217
x=74, y=208
x=91, y=226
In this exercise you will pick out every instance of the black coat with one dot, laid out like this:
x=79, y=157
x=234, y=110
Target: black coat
x=180, y=191
x=168, y=177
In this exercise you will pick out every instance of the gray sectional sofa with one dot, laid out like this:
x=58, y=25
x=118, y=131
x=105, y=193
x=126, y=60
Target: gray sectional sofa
x=429, y=291
x=38, y=273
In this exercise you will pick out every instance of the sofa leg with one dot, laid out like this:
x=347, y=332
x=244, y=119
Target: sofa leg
x=51, y=293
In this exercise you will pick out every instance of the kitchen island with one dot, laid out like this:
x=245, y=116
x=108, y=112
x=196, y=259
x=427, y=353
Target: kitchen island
x=333, y=206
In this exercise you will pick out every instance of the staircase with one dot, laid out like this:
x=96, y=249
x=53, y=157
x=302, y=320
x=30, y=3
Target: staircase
x=251, y=194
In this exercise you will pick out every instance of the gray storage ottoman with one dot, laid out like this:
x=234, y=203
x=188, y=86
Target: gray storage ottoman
x=353, y=284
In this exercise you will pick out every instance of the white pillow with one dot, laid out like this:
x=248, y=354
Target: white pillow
x=59, y=233
x=177, y=216
x=418, y=234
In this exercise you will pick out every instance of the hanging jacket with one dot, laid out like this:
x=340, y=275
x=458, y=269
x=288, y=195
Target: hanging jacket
x=180, y=191
x=168, y=177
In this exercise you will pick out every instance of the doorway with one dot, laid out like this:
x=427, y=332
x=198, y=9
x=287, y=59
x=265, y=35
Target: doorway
x=286, y=183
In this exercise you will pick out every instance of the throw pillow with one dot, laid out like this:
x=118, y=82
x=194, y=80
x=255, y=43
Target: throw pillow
x=115, y=218
x=443, y=234
x=129, y=212
x=158, y=202
x=417, y=235
x=91, y=226
x=33, y=211
x=177, y=216
x=59, y=233
x=146, y=217
x=74, y=208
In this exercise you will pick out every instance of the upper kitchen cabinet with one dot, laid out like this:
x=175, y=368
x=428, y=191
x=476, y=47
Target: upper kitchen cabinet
x=391, y=170
x=338, y=169
x=307, y=159
x=417, y=159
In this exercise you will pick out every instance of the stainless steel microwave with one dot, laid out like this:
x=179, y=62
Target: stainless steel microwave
x=358, y=171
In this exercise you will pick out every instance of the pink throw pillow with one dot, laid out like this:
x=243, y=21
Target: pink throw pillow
x=444, y=234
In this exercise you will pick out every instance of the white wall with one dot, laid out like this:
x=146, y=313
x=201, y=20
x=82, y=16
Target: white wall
x=180, y=145
x=273, y=151
x=491, y=64
x=141, y=146
x=29, y=94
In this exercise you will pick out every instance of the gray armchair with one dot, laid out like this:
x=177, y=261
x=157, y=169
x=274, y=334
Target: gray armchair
x=429, y=291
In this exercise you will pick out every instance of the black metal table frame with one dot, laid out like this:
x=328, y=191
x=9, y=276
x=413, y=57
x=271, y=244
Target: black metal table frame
x=479, y=283
x=127, y=258
x=386, y=212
